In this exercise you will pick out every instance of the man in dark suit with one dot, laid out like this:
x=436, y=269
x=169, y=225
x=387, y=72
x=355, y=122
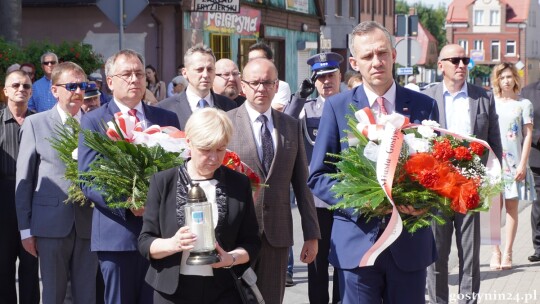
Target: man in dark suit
x=271, y=143
x=325, y=72
x=200, y=72
x=56, y=231
x=532, y=92
x=18, y=89
x=401, y=268
x=469, y=110
x=115, y=231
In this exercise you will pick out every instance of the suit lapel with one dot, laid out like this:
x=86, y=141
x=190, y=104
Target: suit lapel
x=279, y=133
x=184, y=110
x=439, y=97
x=360, y=100
x=248, y=137
x=473, y=105
x=402, y=102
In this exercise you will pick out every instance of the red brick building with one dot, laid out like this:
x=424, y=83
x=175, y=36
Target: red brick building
x=494, y=31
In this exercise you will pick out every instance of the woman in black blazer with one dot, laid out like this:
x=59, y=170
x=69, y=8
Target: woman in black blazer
x=166, y=241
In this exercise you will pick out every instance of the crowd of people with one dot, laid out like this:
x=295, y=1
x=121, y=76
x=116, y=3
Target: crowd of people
x=92, y=253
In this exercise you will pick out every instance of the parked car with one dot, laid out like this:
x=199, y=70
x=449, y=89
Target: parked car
x=429, y=85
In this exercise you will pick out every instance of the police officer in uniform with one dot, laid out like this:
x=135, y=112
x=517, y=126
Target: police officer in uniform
x=326, y=78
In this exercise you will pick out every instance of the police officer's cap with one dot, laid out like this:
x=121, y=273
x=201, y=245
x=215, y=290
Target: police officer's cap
x=91, y=90
x=324, y=63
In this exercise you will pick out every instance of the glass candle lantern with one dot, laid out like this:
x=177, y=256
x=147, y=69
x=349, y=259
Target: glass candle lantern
x=198, y=213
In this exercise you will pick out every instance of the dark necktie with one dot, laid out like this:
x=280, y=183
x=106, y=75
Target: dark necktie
x=382, y=108
x=267, y=144
x=202, y=104
x=133, y=112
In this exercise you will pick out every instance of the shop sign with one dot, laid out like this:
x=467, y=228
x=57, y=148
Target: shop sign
x=246, y=23
x=301, y=6
x=477, y=55
x=229, y=6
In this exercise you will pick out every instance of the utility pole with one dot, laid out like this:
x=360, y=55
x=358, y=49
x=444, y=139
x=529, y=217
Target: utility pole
x=10, y=21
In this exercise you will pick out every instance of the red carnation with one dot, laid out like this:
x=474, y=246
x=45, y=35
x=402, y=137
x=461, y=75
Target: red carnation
x=468, y=198
x=428, y=178
x=442, y=150
x=462, y=153
x=477, y=148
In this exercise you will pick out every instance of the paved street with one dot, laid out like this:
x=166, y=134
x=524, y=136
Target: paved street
x=518, y=285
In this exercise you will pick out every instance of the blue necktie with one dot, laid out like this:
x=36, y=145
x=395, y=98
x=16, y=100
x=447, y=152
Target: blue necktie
x=202, y=104
x=267, y=144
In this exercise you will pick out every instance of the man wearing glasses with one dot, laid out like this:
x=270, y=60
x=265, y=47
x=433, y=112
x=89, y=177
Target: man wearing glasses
x=51, y=229
x=227, y=82
x=466, y=109
x=42, y=99
x=115, y=231
x=18, y=89
x=200, y=72
x=271, y=143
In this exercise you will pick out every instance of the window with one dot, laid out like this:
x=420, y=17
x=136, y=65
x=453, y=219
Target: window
x=478, y=17
x=478, y=45
x=244, y=45
x=465, y=45
x=351, y=8
x=221, y=45
x=495, y=50
x=494, y=18
x=339, y=8
x=511, y=47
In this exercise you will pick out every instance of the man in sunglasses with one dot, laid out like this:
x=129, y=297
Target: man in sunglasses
x=18, y=89
x=51, y=229
x=42, y=98
x=115, y=231
x=469, y=110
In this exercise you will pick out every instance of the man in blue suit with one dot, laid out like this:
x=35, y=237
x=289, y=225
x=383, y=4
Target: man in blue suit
x=115, y=231
x=400, y=269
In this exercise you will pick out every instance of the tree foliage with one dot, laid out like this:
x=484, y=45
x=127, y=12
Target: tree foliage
x=433, y=19
x=80, y=53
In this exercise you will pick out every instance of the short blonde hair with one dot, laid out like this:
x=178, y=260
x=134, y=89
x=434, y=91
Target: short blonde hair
x=496, y=74
x=63, y=67
x=209, y=128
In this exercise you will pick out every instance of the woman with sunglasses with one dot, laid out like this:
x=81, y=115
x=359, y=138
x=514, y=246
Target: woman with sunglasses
x=516, y=125
x=153, y=84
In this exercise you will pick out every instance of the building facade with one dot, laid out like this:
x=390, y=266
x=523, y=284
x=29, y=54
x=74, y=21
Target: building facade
x=164, y=29
x=494, y=31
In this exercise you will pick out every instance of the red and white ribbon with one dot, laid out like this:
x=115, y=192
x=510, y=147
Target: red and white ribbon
x=170, y=138
x=391, y=141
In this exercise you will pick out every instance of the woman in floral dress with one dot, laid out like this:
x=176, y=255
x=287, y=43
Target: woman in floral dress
x=516, y=125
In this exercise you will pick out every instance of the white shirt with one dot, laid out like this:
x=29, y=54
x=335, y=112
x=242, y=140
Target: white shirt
x=193, y=99
x=63, y=115
x=389, y=103
x=140, y=112
x=256, y=126
x=456, y=106
x=283, y=94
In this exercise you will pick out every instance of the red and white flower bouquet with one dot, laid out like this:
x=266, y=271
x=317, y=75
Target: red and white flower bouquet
x=397, y=163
